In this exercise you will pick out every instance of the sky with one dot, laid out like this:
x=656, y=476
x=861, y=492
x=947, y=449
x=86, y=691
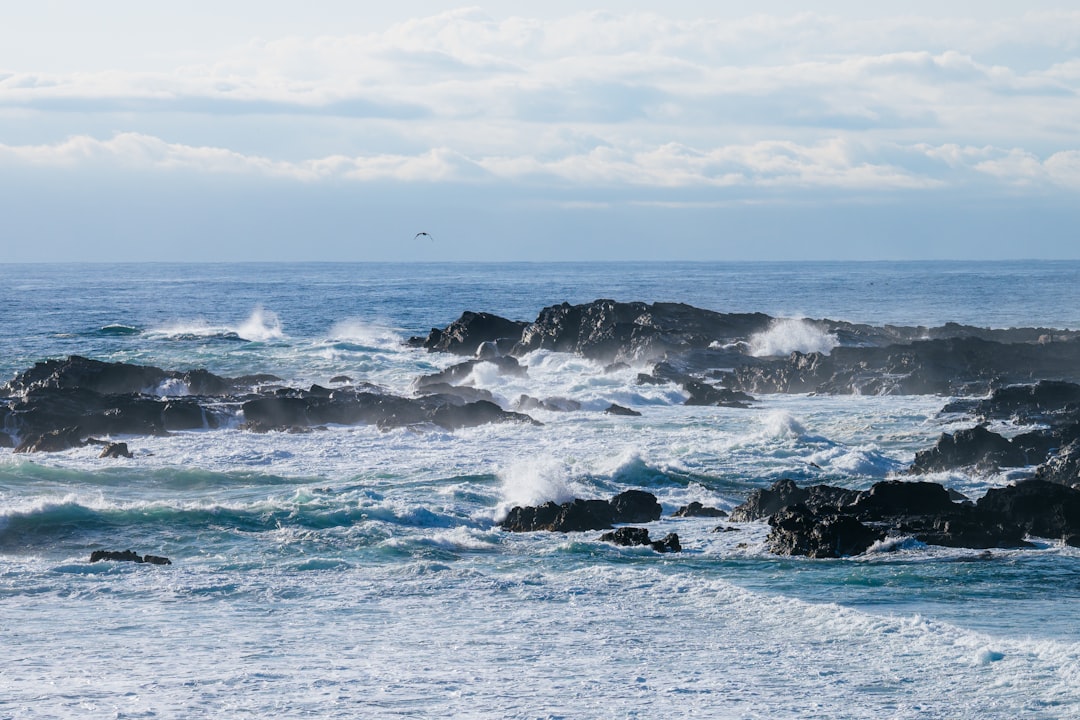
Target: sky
x=636, y=130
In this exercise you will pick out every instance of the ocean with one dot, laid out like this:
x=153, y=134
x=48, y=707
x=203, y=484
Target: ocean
x=351, y=572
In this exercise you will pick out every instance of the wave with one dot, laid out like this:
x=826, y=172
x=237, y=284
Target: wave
x=117, y=330
x=46, y=521
x=362, y=335
x=788, y=335
x=260, y=326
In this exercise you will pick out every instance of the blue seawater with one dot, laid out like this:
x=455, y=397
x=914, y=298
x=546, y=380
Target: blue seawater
x=350, y=572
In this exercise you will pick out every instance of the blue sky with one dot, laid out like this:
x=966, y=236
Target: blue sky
x=637, y=130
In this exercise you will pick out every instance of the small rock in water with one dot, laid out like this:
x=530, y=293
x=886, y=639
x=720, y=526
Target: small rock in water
x=696, y=509
x=116, y=450
x=614, y=409
x=128, y=556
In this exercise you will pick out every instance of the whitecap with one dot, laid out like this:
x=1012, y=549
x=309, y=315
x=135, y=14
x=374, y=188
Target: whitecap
x=788, y=335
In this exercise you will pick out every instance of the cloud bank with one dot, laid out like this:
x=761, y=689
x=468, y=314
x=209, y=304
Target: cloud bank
x=589, y=110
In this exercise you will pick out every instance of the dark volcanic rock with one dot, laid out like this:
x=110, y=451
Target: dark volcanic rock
x=526, y=403
x=114, y=378
x=455, y=374
x=634, y=506
x=763, y=503
x=6, y=441
x=1041, y=508
x=632, y=536
x=465, y=335
x=116, y=450
x=609, y=331
x=948, y=366
x=696, y=509
x=975, y=447
x=128, y=556
x=797, y=530
x=1064, y=467
x=614, y=409
x=577, y=515
x=892, y=498
x=343, y=407
x=51, y=441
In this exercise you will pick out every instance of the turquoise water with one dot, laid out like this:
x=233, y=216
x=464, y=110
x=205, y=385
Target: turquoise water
x=358, y=573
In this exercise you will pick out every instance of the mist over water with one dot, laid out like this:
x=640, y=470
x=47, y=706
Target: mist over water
x=354, y=572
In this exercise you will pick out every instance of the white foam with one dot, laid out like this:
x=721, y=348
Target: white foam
x=789, y=335
x=368, y=334
x=534, y=481
x=260, y=326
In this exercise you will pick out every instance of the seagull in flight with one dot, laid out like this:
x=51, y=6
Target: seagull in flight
x=423, y=234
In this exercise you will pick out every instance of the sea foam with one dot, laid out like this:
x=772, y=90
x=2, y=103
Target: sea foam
x=789, y=335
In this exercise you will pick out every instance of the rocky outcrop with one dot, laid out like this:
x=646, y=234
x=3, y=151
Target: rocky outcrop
x=949, y=366
x=783, y=493
x=632, y=506
x=465, y=335
x=842, y=522
x=633, y=536
x=116, y=450
x=696, y=509
x=127, y=556
x=798, y=530
x=345, y=407
x=614, y=409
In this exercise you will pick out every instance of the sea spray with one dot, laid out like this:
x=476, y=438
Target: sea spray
x=789, y=335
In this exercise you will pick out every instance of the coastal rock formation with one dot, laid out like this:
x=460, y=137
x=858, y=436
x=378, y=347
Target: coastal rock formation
x=632, y=536
x=843, y=522
x=696, y=509
x=127, y=556
x=50, y=412
x=465, y=335
x=798, y=530
x=632, y=506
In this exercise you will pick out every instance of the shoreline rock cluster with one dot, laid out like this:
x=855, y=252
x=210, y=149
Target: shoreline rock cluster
x=1029, y=377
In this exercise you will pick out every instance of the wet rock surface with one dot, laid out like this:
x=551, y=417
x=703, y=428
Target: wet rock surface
x=922, y=510
x=634, y=536
x=632, y=506
x=127, y=556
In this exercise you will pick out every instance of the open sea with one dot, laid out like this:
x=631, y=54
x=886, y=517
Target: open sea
x=357, y=573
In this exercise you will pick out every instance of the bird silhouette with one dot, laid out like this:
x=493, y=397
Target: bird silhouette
x=423, y=234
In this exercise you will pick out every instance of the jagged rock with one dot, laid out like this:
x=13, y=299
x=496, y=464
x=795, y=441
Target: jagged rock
x=696, y=509
x=1041, y=508
x=526, y=403
x=893, y=498
x=128, y=556
x=700, y=393
x=764, y=502
x=627, y=536
x=1063, y=467
x=117, y=378
x=465, y=335
x=51, y=441
x=609, y=331
x=633, y=536
x=634, y=506
x=614, y=409
x=975, y=447
x=116, y=450
x=577, y=515
x=455, y=374
x=797, y=530
x=340, y=379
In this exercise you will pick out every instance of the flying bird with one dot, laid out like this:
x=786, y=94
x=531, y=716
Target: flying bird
x=423, y=234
